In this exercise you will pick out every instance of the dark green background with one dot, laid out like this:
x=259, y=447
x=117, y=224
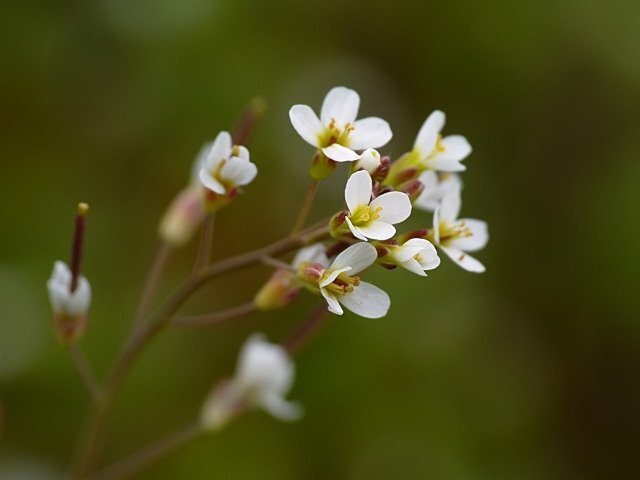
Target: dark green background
x=529, y=371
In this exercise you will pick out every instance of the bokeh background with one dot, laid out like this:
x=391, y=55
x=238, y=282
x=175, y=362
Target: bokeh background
x=529, y=371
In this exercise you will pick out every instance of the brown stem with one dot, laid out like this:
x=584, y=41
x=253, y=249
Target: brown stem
x=83, y=367
x=212, y=318
x=306, y=329
x=78, y=245
x=152, y=281
x=306, y=207
x=206, y=243
x=146, y=456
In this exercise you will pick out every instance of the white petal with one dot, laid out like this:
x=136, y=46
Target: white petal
x=436, y=225
x=465, y=261
x=211, y=183
x=456, y=147
x=371, y=132
x=411, y=248
x=280, y=408
x=332, y=275
x=429, y=254
x=478, y=239
x=333, y=305
x=340, y=104
x=367, y=301
x=200, y=160
x=238, y=171
x=443, y=164
x=306, y=123
x=338, y=153
x=243, y=153
x=314, y=254
x=428, y=135
x=220, y=149
x=413, y=266
x=450, y=205
x=358, y=256
x=396, y=207
x=369, y=160
x=377, y=230
x=357, y=192
x=80, y=300
x=355, y=230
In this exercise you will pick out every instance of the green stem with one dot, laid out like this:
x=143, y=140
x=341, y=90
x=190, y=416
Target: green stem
x=306, y=207
x=85, y=372
x=212, y=318
x=152, y=281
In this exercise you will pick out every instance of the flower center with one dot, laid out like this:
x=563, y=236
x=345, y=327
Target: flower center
x=333, y=134
x=450, y=231
x=343, y=284
x=365, y=215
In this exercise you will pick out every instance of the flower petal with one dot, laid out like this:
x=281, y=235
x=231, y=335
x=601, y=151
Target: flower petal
x=358, y=256
x=444, y=164
x=450, y=205
x=357, y=192
x=396, y=207
x=314, y=253
x=367, y=300
x=280, y=408
x=436, y=225
x=243, y=153
x=429, y=258
x=410, y=249
x=428, y=135
x=377, y=230
x=341, y=104
x=414, y=266
x=238, y=171
x=369, y=160
x=333, y=305
x=211, y=183
x=456, y=147
x=338, y=153
x=355, y=230
x=462, y=259
x=306, y=123
x=478, y=239
x=220, y=149
x=332, y=275
x=371, y=132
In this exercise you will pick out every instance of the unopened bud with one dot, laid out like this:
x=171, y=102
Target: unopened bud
x=419, y=233
x=321, y=166
x=69, y=308
x=183, y=217
x=380, y=174
x=413, y=188
x=369, y=161
x=279, y=291
x=310, y=272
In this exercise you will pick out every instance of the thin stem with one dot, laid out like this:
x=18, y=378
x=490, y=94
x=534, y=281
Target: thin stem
x=85, y=371
x=275, y=263
x=146, y=331
x=78, y=244
x=212, y=318
x=153, y=452
x=206, y=243
x=163, y=252
x=306, y=207
x=306, y=329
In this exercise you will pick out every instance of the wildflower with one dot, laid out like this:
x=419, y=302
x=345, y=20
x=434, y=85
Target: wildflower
x=337, y=132
x=69, y=307
x=338, y=282
x=456, y=236
x=435, y=187
x=416, y=255
x=369, y=161
x=226, y=168
x=373, y=218
x=264, y=375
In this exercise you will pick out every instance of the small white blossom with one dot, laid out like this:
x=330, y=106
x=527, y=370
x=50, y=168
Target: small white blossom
x=435, y=188
x=338, y=284
x=337, y=132
x=373, y=218
x=416, y=255
x=456, y=236
x=227, y=166
x=437, y=153
x=369, y=161
x=264, y=375
x=62, y=300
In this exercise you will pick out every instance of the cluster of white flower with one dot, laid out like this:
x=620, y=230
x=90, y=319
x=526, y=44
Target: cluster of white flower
x=379, y=194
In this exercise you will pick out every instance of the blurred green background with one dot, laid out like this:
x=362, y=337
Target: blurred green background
x=529, y=371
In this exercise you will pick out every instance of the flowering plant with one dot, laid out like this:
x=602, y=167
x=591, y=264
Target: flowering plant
x=328, y=259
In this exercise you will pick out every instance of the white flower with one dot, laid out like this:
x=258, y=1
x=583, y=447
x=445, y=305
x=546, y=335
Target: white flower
x=62, y=300
x=456, y=236
x=369, y=161
x=373, y=218
x=226, y=166
x=435, y=188
x=339, y=285
x=312, y=254
x=337, y=132
x=264, y=375
x=416, y=255
x=437, y=153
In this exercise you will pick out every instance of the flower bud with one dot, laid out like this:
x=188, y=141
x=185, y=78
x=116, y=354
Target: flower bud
x=321, y=166
x=183, y=217
x=338, y=227
x=69, y=308
x=413, y=188
x=279, y=291
x=310, y=272
x=369, y=161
